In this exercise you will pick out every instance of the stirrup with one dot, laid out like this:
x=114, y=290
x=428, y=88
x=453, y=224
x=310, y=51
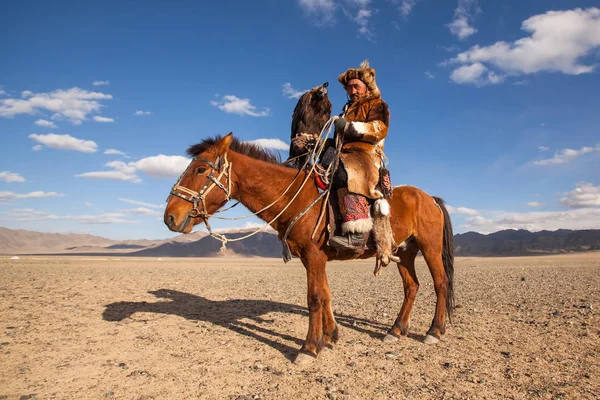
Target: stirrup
x=351, y=240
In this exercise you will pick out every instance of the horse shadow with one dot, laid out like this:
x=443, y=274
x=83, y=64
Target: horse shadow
x=230, y=314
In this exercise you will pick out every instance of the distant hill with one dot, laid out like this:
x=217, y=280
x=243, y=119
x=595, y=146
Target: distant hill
x=263, y=244
x=512, y=242
x=20, y=241
x=266, y=244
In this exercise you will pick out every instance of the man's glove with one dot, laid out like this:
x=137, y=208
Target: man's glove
x=303, y=141
x=340, y=125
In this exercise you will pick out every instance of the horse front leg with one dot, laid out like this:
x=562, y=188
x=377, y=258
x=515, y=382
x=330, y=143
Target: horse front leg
x=322, y=329
x=330, y=328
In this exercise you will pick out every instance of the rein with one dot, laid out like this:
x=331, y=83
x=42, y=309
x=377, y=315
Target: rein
x=224, y=166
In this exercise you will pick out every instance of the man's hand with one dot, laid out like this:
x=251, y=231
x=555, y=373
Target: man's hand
x=302, y=141
x=340, y=125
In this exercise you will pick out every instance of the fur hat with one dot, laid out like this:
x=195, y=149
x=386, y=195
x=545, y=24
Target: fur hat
x=365, y=74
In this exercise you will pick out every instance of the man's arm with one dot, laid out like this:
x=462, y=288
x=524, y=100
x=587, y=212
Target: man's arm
x=372, y=130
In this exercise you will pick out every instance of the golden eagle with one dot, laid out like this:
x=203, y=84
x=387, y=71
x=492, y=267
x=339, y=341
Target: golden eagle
x=312, y=112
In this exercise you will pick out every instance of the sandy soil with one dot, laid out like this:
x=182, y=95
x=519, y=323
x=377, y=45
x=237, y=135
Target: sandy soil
x=103, y=327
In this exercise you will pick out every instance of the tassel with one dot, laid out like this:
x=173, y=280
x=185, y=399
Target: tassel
x=286, y=252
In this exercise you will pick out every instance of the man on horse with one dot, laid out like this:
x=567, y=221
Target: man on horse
x=362, y=128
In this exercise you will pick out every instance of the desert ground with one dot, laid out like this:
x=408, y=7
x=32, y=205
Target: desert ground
x=76, y=327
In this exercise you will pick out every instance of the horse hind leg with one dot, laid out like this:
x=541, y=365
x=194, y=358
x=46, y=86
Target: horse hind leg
x=406, y=267
x=433, y=257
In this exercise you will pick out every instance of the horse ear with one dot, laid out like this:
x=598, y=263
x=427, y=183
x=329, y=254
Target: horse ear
x=223, y=145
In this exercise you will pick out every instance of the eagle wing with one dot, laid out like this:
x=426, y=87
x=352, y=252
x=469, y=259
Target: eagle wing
x=312, y=111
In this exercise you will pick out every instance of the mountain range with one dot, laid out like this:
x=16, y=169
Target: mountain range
x=266, y=244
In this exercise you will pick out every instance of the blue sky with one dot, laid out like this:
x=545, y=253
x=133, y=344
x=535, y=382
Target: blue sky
x=494, y=105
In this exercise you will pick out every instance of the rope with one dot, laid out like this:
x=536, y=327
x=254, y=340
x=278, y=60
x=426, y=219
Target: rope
x=314, y=155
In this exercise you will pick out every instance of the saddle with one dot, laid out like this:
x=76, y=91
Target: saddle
x=379, y=238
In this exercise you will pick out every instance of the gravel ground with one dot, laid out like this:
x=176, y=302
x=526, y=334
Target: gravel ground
x=228, y=328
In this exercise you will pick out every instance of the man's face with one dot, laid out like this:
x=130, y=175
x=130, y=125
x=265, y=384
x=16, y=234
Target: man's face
x=356, y=89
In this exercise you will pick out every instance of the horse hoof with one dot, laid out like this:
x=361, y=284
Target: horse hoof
x=304, y=359
x=390, y=338
x=430, y=339
x=395, y=259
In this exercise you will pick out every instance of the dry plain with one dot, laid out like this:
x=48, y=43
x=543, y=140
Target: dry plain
x=77, y=327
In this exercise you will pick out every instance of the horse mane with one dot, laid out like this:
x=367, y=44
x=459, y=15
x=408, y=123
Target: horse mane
x=246, y=148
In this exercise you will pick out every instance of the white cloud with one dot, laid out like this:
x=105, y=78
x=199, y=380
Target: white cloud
x=290, y=92
x=533, y=204
x=566, y=155
x=73, y=104
x=100, y=83
x=473, y=73
x=543, y=148
x=37, y=147
x=142, y=211
x=558, y=42
x=31, y=195
x=45, y=124
x=121, y=172
x=359, y=12
x=406, y=7
x=65, y=142
x=584, y=218
x=98, y=219
x=362, y=19
x=270, y=144
x=450, y=49
x=98, y=118
x=26, y=93
x=247, y=225
x=142, y=112
x=115, y=152
x=463, y=14
x=234, y=105
x=584, y=195
x=429, y=75
x=88, y=204
x=8, y=176
x=140, y=203
x=320, y=11
x=462, y=210
x=252, y=225
x=116, y=175
x=160, y=166
x=584, y=202
x=24, y=212
x=2, y=91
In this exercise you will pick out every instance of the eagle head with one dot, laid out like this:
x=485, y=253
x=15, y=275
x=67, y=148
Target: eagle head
x=321, y=91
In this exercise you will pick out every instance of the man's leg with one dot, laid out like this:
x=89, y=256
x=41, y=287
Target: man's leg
x=356, y=216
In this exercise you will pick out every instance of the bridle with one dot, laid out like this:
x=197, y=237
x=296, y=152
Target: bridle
x=196, y=198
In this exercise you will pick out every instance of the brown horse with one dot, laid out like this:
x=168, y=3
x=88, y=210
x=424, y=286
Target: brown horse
x=224, y=168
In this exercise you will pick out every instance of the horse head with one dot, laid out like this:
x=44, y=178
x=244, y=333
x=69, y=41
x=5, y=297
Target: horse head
x=203, y=188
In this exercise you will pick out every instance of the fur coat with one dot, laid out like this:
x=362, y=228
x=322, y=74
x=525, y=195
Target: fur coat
x=362, y=153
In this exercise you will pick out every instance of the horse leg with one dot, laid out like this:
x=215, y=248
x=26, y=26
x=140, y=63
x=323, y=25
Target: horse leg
x=406, y=267
x=433, y=257
x=330, y=328
x=318, y=296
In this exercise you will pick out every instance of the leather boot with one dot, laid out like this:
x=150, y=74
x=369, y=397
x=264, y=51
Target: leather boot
x=350, y=241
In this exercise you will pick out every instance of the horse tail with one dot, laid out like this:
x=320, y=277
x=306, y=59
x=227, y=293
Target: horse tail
x=448, y=257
